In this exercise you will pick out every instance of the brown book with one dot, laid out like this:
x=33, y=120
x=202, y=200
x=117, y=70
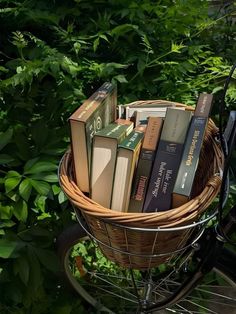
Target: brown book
x=186, y=174
x=145, y=162
x=166, y=164
x=94, y=114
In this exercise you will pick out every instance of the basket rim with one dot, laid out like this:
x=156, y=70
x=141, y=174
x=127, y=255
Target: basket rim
x=171, y=217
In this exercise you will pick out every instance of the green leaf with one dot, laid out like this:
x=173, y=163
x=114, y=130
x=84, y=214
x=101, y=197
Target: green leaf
x=120, y=78
x=48, y=177
x=62, y=197
x=25, y=189
x=5, y=211
x=123, y=29
x=7, y=248
x=35, y=276
x=30, y=163
x=41, y=187
x=7, y=223
x=96, y=43
x=13, y=196
x=4, y=158
x=13, y=174
x=5, y=137
x=21, y=267
x=40, y=202
x=177, y=47
x=41, y=166
x=11, y=183
x=20, y=210
x=44, y=216
x=56, y=189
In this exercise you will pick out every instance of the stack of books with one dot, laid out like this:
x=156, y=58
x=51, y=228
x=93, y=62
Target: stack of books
x=143, y=161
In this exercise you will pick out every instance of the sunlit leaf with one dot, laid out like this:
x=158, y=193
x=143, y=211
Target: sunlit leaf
x=11, y=183
x=41, y=187
x=25, y=189
x=41, y=166
x=20, y=210
x=7, y=248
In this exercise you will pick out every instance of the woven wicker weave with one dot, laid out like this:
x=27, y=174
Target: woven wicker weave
x=138, y=240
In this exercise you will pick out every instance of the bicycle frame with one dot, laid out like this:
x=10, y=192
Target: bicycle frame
x=210, y=247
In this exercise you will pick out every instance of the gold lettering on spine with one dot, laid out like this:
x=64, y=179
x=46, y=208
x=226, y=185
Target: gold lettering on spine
x=192, y=148
x=140, y=190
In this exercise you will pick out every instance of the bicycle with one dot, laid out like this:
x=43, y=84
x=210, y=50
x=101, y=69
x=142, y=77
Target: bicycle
x=201, y=278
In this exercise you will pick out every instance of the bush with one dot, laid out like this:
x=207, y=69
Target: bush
x=54, y=54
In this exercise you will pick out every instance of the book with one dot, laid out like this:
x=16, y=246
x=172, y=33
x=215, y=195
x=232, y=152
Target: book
x=94, y=114
x=141, y=115
x=126, y=162
x=185, y=178
x=128, y=111
x=105, y=143
x=145, y=162
x=167, y=160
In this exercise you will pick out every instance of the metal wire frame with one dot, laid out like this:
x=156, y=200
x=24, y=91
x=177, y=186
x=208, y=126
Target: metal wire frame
x=200, y=224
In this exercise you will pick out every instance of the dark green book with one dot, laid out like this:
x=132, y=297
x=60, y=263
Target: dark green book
x=184, y=182
x=167, y=160
x=127, y=157
x=105, y=143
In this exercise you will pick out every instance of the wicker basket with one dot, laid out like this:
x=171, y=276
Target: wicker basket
x=144, y=240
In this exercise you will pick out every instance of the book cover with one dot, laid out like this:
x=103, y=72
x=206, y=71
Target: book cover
x=126, y=162
x=167, y=160
x=184, y=182
x=94, y=114
x=104, y=152
x=141, y=116
x=145, y=162
x=158, y=105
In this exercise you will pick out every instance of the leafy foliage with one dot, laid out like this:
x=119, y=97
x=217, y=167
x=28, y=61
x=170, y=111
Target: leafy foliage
x=53, y=55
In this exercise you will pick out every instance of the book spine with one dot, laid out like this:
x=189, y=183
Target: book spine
x=189, y=162
x=164, y=172
x=141, y=181
x=93, y=125
x=145, y=163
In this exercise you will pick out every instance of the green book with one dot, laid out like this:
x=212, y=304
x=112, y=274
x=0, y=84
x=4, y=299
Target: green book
x=127, y=157
x=105, y=143
x=183, y=187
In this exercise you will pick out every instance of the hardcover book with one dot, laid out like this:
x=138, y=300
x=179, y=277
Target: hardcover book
x=104, y=152
x=145, y=162
x=192, y=148
x=141, y=116
x=127, y=157
x=95, y=113
x=128, y=111
x=167, y=160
